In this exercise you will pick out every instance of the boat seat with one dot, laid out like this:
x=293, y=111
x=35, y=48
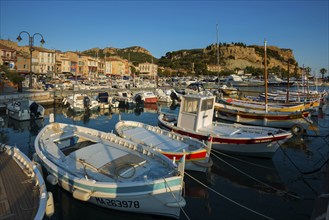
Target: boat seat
x=95, y=154
x=88, y=136
x=54, y=150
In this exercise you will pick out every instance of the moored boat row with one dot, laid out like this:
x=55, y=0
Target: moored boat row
x=109, y=171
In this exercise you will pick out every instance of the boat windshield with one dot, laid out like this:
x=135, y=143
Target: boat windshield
x=207, y=104
x=190, y=105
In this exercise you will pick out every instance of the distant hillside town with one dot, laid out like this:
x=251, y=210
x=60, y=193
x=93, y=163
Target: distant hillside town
x=222, y=59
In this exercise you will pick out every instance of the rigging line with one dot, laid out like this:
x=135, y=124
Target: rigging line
x=225, y=197
x=302, y=178
x=259, y=181
x=181, y=208
x=302, y=172
x=244, y=161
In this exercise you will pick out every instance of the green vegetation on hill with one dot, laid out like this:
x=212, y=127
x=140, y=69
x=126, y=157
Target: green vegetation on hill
x=137, y=58
x=190, y=60
x=130, y=53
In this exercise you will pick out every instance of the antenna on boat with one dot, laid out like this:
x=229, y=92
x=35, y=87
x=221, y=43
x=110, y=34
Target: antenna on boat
x=265, y=74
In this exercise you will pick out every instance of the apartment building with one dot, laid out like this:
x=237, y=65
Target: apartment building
x=63, y=63
x=83, y=66
x=8, y=57
x=148, y=69
x=74, y=59
x=92, y=64
x=23, y=63
x=115, y=66
x=43, y=61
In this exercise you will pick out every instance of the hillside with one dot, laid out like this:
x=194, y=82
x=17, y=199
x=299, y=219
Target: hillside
x=135, y=54
x=231, y=57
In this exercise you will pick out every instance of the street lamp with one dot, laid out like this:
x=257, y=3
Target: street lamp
x=31, y=42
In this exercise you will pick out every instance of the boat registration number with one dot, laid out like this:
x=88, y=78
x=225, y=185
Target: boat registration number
x=118, y=203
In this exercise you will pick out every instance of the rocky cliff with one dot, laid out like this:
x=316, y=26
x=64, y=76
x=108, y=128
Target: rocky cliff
x=231, y=57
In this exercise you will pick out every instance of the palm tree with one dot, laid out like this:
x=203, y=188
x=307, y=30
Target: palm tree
x=323, y=71
x=308, y=70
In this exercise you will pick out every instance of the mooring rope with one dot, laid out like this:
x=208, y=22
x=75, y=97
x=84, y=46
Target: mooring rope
x=181, y=208
x=231, y=200
x=240, y=160
x=253, y=178
x=297, y=168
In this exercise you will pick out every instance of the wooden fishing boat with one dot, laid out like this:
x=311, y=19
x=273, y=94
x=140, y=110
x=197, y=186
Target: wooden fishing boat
x=195, y=119
x=262, y=117
x=22, y=185
x=273, y=107
x=174, y=146
x=25, y=110
x=109, y=171
x=297, y=121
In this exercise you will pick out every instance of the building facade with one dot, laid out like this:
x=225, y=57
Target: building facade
x=8, y=57
x=148, y=69
x=117, y=67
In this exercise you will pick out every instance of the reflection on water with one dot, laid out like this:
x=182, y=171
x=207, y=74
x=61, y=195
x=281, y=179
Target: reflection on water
x=251, y=173
x=32, y=126
x=288, y=183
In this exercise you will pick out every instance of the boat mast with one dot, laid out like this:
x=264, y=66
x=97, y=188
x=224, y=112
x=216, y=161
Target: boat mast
x=217, y=58
x=287, y=98
x=265, y=75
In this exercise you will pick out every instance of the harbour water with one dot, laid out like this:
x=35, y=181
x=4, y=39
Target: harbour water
x=284, y=187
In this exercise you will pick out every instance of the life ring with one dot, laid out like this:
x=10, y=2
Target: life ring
x=297, y=129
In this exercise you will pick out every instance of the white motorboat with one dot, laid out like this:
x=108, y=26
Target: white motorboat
x=81, y=102
x=25, y=110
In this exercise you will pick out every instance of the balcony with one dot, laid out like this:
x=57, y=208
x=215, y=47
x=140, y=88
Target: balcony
x=9, y=58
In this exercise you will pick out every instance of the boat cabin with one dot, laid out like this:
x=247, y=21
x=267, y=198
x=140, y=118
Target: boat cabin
x=196, y=112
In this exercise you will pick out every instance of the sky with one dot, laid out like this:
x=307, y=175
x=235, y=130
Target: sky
x=165, y=26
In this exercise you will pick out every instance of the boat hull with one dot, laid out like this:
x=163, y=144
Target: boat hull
x=106, y=196
x=258, y=147
x=277, y=121
x=21, y=110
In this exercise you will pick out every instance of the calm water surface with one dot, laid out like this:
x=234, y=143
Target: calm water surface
x=284, y=187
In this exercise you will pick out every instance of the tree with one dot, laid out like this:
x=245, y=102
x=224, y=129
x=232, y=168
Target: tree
x=12, y=75
x=323, y=71
x=308, y=70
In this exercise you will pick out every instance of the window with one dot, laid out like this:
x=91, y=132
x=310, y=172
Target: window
x=191, y=106
x=207, y=104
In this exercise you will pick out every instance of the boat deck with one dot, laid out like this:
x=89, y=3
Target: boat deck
x=101, y=160
x=18, y=197
x=163, y=142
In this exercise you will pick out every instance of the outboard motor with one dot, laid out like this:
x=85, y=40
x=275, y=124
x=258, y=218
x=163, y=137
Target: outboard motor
x=103, y=97
x=86, y=102
x=173, y=96
x=138, y=99
x=34, y=110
